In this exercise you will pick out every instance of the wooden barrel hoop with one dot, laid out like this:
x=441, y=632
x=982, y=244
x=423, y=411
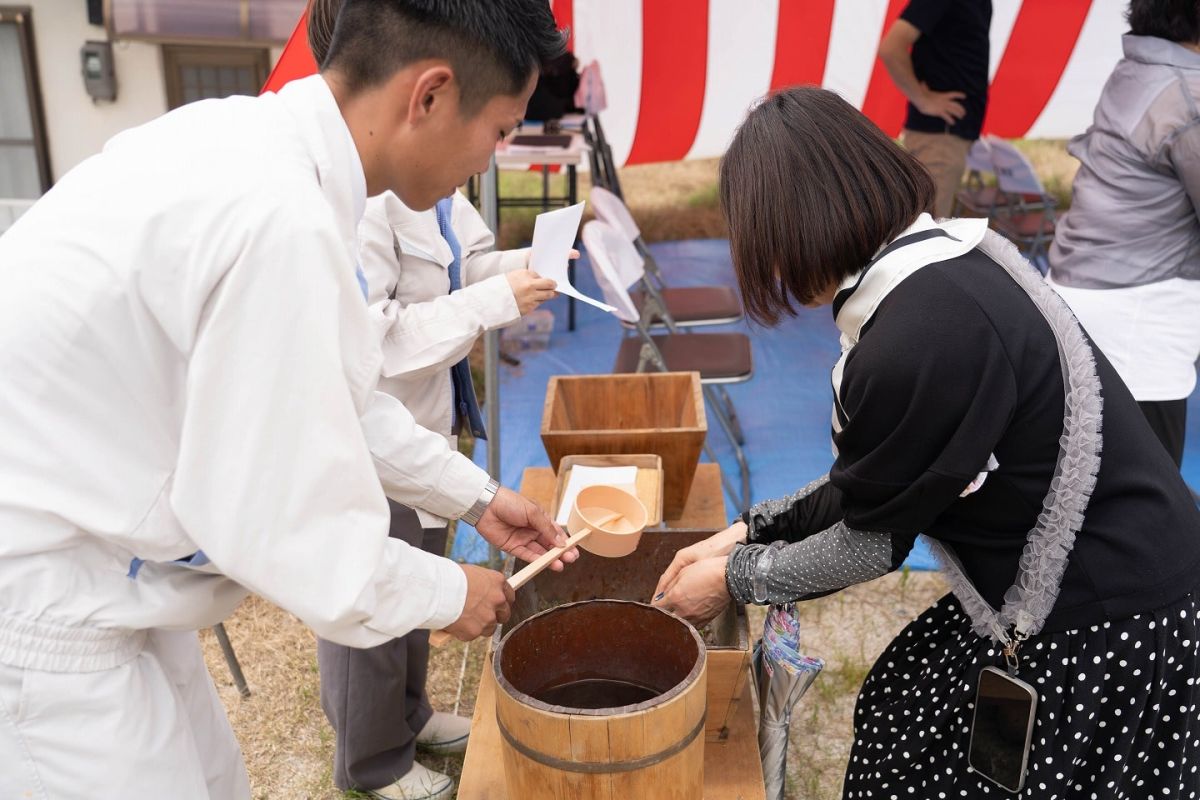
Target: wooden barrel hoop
x=596, y=767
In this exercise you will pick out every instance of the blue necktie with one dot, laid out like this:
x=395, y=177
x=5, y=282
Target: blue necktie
x=466, y=405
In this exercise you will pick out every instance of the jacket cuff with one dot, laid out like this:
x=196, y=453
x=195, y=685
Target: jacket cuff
x=495, y=302
x=460, y=485
x=417, y=590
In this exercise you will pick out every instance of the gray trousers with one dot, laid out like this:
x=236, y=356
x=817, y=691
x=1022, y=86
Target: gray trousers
x=375, y=698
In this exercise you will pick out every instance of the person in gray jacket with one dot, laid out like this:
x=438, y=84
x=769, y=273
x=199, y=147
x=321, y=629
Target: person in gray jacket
x=1126, y=256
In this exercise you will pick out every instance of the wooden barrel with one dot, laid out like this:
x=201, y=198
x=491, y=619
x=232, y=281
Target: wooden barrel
x=602, y=699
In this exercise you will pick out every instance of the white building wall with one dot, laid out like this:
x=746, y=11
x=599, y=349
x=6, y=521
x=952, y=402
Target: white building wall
x=77, y=126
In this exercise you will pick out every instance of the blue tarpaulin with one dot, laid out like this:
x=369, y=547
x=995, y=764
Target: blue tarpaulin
x=784, y=409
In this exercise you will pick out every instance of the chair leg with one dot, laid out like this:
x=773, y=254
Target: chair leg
x=728, y=486
x=731, y=413
x=231, y=659
x=743, y=502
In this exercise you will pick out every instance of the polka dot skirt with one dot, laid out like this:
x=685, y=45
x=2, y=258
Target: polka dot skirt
x=1117, y=710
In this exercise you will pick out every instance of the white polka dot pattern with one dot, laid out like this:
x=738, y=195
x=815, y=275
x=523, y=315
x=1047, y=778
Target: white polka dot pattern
x=1117, y=715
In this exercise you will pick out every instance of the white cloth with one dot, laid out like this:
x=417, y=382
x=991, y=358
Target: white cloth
x=1149, y=333
x=110, y=733
x=187, y=356
x=424, y=328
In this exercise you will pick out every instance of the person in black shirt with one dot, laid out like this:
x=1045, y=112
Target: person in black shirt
x=937, y=54
x=968, y=407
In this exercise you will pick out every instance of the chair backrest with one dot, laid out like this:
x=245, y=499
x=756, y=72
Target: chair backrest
x=612, y=210
x=979, y=157
x=1014, y=173
x=606, y=250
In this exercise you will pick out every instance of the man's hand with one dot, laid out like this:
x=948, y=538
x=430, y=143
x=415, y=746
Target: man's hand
x=516, y=525
x=940, y=104
x=488, y=604
x=698, y=593
x=529, y=289
x=719, y=544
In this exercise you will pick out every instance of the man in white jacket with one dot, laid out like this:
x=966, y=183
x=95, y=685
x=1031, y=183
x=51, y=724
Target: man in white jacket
x=189, y=374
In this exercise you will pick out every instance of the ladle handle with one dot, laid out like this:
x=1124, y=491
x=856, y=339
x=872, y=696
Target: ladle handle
x=527, y=573
x=530, y=571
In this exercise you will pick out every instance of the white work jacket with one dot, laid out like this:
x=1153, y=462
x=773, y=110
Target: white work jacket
x=189, y=364
x=426, y=329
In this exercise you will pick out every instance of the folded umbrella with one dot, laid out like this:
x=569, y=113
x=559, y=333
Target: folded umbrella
x=782, y=675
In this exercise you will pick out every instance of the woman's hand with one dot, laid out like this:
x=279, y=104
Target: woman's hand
x=698, y=594
x=719, y=544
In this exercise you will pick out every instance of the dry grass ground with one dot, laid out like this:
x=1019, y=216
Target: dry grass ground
x=288, y=744
x=679, y=200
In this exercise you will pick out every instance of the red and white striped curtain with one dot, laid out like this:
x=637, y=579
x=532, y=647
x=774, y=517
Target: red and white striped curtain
x=680, y=74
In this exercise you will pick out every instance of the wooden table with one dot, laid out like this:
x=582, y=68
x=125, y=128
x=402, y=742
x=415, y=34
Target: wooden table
x=732, y=768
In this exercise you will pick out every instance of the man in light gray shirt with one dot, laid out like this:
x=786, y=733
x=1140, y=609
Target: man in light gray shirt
x=1126, y=256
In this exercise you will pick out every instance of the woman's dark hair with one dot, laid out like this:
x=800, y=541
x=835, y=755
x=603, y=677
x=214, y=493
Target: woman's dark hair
x=1174, y=20
x=493, y=46
x=811, y=189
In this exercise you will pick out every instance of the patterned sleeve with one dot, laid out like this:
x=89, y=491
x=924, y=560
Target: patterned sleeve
x=822, y=563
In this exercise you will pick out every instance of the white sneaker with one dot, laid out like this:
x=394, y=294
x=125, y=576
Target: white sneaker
x=444, y=733
x=420, y=783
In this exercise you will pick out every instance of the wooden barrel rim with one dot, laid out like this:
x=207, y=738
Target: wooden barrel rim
x=528, y=700
x=600, y=767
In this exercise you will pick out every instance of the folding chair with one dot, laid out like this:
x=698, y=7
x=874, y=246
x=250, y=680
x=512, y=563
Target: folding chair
x=720, y=358
x=684, y=307
x=975, y=197
x=1028, y=215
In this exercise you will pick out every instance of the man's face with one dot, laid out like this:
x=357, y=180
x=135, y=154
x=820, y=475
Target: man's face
x=450, y=147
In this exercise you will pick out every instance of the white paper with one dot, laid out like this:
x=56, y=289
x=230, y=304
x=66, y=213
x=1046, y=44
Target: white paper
x=554, y=235
x=583, y=477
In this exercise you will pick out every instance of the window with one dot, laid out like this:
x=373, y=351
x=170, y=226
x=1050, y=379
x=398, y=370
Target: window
x=201, y=73
x=24, y=163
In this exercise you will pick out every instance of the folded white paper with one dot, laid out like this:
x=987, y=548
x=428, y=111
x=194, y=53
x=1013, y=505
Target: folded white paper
x=583, y=477
x=554, y=235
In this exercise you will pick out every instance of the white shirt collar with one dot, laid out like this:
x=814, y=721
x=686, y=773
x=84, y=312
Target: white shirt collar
x=868, y=287
x=339, y=168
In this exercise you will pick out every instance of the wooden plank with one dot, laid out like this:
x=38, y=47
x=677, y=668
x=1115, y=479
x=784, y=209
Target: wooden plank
x=705, y=507
x=589, y=742
x=727, y=670
x=483, y=766
x=732, y=769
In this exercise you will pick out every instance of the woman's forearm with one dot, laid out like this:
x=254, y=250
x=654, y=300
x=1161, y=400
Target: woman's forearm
x=824, y=562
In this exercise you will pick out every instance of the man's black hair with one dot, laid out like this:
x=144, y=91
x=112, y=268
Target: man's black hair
x=1173, y=20
x=493, y=46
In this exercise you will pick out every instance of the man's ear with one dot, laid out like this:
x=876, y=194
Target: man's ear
x=433, y=89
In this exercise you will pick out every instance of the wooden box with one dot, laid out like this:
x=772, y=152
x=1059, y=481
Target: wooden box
x=727, y=638
x=648, y=486
x=658, y=412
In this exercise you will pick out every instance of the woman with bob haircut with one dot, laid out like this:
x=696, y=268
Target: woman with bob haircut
x=970, y=407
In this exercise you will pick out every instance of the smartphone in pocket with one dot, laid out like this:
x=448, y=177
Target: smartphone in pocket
x=1002, y=728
